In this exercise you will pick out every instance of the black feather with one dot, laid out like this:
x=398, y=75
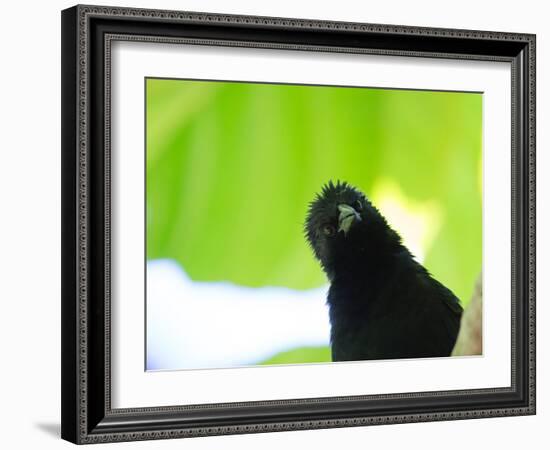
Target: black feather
x=383, y=304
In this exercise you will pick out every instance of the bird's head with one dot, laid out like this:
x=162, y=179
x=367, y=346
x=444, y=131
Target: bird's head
x=343, y=226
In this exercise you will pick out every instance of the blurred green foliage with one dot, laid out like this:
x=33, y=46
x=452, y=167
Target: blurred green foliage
x=301, y=355
x=232, y=166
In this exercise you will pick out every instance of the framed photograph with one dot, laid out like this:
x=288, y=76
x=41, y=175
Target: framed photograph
x=280, y=224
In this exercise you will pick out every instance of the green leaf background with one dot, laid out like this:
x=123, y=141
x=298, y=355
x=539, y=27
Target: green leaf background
x=232, y=166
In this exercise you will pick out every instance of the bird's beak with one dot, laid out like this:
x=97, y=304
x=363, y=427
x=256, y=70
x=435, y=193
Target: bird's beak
x=347, y=217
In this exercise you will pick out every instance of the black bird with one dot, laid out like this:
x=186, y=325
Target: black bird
x=382, y=303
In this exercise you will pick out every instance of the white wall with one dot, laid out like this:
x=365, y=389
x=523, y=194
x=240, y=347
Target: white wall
x=30, y=225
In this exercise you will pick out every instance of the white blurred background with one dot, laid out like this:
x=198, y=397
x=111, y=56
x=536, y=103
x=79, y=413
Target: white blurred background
x=193, y=325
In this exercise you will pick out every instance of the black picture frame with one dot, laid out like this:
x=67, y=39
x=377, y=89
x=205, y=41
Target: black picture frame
x=87, y=416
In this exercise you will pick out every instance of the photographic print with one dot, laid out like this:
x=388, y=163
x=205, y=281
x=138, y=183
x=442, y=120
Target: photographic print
x=298, y=224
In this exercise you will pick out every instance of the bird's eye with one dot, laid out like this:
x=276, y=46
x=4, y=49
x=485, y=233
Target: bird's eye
x=357, y=205
x=328, y=230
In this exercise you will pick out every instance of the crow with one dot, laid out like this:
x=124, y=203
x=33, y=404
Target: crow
x=383, y=304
